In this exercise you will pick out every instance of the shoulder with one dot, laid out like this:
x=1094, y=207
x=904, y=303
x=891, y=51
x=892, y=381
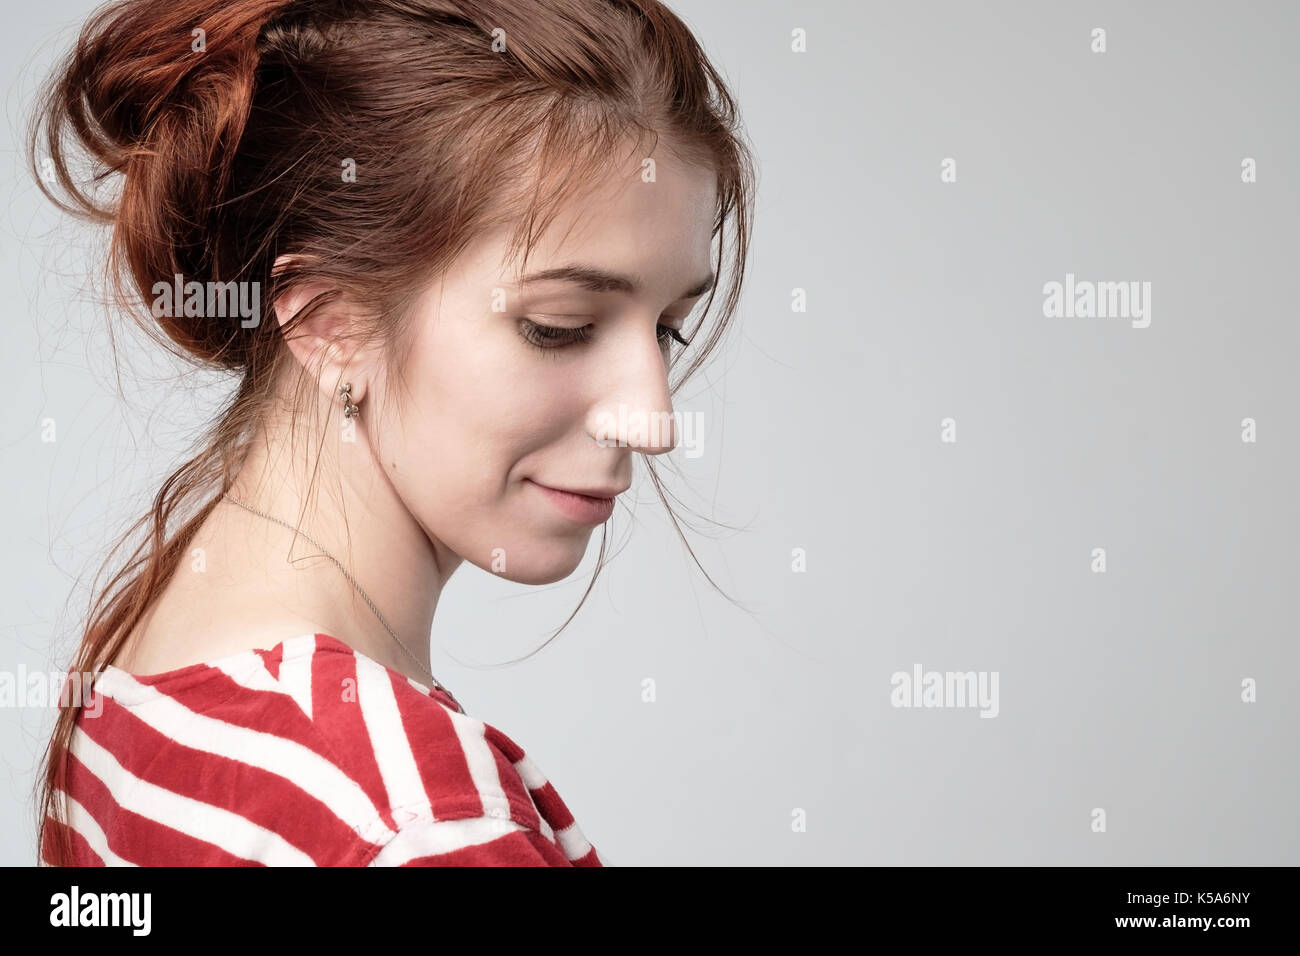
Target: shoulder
x=309, y=753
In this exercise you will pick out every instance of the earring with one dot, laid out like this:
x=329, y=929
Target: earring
x=349, y=409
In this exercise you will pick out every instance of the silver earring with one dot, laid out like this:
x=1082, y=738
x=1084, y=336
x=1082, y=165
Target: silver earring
x=349, y=409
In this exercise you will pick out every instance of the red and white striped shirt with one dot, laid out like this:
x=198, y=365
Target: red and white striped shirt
x=304, y=754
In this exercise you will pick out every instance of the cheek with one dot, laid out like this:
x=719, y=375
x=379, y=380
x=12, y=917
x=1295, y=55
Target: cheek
x=477, y=417
x=476, y=405
x=505, y=393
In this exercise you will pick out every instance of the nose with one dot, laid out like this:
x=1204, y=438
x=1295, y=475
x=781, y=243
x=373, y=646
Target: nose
x=635, y=409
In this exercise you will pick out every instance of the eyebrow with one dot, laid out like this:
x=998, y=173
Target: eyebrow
x=601, y=280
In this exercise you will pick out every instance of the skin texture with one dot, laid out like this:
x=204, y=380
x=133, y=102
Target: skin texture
x=436, y=473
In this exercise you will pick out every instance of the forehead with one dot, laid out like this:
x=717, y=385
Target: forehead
x=624, y=221
x=648, y=216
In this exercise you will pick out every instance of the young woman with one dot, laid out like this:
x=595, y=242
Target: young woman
x=449, y=250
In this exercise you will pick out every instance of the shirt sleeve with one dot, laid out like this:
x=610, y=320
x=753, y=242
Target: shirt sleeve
x=475, y=841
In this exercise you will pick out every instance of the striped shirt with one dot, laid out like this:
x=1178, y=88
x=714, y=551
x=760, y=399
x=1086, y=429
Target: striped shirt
x=306, y=754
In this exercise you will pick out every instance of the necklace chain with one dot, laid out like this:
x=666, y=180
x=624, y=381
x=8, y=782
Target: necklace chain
x=360, y=590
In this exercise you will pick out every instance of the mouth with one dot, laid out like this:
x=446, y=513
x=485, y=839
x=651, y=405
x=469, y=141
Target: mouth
x=587, y=506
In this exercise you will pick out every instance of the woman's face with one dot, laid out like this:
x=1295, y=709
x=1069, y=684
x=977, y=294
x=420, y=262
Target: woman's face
x=488, y=421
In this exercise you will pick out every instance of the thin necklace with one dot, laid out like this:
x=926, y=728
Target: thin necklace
x=435, y=682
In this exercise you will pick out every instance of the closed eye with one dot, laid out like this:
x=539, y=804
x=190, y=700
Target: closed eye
x=551, y=337
x=548, y=337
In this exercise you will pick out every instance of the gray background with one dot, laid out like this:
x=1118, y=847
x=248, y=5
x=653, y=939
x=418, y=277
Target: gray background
x=1118, y=690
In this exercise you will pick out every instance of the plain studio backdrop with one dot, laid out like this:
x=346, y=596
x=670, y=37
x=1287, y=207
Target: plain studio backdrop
x=926, y=170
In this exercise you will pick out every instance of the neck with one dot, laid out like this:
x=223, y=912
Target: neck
x=354, y=515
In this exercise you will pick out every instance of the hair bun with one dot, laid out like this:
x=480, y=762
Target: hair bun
x=159, y=91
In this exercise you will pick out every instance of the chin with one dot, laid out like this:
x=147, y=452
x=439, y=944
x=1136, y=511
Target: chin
x=537, y=563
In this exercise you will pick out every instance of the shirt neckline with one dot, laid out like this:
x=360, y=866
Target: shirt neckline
x=123, y=686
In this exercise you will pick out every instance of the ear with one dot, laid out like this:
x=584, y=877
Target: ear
x=321, y=341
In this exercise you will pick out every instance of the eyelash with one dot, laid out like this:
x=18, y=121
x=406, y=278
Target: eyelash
x=537, y=335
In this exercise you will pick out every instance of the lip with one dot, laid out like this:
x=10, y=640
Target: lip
x=588, y=506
